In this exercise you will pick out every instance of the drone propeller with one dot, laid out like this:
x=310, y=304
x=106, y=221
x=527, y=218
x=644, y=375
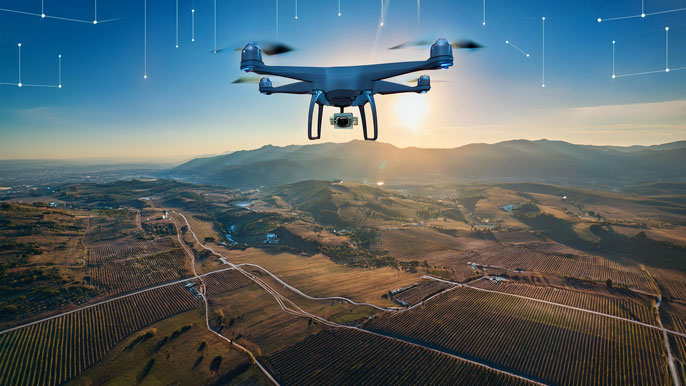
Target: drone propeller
x=465, y=44
x=268, y=48
x=246, y=79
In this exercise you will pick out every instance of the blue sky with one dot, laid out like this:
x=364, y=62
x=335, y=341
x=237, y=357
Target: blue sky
x=188, y=107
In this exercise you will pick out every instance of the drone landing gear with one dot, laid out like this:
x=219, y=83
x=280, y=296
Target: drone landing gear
x=313, y=101
x=363, y=117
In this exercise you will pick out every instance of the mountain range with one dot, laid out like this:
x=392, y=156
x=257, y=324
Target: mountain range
x=517, y=160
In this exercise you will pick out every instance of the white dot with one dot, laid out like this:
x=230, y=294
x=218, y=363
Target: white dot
x=19, y=44
x=42, y=15
x=19, y=85
x=59, y=56
x=484, y=23
x=60, y=86
x=643, y=15
x=599, y=20
x=192, y=11
x=95, y=22
x=145, y=77
x=543, y=18
x=543, y=85
x=666, y=69
x=177, y=46
x=193, y=39
x=296, y=18
x=527, y=55
x=613, y=42
x=339, y=14
x=613, y=76
x=381, y=24
x=507, y=42
x=666, y=28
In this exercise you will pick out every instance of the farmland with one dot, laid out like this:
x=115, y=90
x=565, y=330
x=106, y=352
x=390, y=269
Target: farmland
x=128, y=265
x=345, y=357
x=56, y=350
x=540, y=294
x=543, y=341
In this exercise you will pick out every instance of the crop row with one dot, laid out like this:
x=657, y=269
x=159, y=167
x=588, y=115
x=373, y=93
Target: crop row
x=576, y=265
x=347, y=357
x=624, y=308
x=221, y=282
x=53, y=351
x=103, y=252
x=422, y=291
x=672, y=283
x=555, y=344
x=127, y=274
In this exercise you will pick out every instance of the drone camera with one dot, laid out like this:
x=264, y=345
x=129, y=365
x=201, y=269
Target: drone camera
x=343, y=121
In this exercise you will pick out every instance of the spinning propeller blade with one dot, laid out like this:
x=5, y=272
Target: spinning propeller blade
x=465, y=44
x=246, y=79
x=268, y=48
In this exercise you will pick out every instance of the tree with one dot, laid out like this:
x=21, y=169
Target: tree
x=608, y=283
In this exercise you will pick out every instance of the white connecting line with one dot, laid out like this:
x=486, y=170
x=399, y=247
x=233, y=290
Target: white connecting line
x=667, y=68
x=642, y=15
x=43, y=15
x=517, y=48
x=21, y=84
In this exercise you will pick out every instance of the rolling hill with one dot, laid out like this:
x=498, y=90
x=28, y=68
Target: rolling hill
x=518, y=160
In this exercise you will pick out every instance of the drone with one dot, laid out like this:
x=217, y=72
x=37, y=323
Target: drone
x=346, y=86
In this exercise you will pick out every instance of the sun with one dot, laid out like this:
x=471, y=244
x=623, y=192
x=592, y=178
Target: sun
x=410, y=110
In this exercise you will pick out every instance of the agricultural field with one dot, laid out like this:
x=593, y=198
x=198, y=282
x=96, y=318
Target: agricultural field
x=424, y=289
x=554, y=344
x=348, y=357
x=622, y=305
x=176, y=350
x=128, y=265
x=56, y=350
x=319, y=276
x=252, y=318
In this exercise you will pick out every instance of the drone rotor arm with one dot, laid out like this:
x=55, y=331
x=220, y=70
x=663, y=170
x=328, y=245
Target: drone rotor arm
x=385, y=88
x=293, y=88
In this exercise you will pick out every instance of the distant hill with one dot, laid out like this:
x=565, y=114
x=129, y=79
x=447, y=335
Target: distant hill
x=518, y=160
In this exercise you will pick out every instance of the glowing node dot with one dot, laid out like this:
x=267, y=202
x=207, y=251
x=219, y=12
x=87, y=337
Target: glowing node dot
x=666, y=28
x=19, y=44
x=192, y=11
x=95, y=22
x=42, y=15
x=543, y=85
x=613, y=42
x=527, y=55
x=666, y=69
x=613, y=76
x=339, y=14
x=59, y=56
x=381, y=24
x=599, y=20
x=296, y=18
x=643, y=15
x=192, y=40
x=145, y=77
x=484, y=23
x=60, y=86
x=543, y=18
x=507, y=42
x=177, y=46
x=19, y=85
